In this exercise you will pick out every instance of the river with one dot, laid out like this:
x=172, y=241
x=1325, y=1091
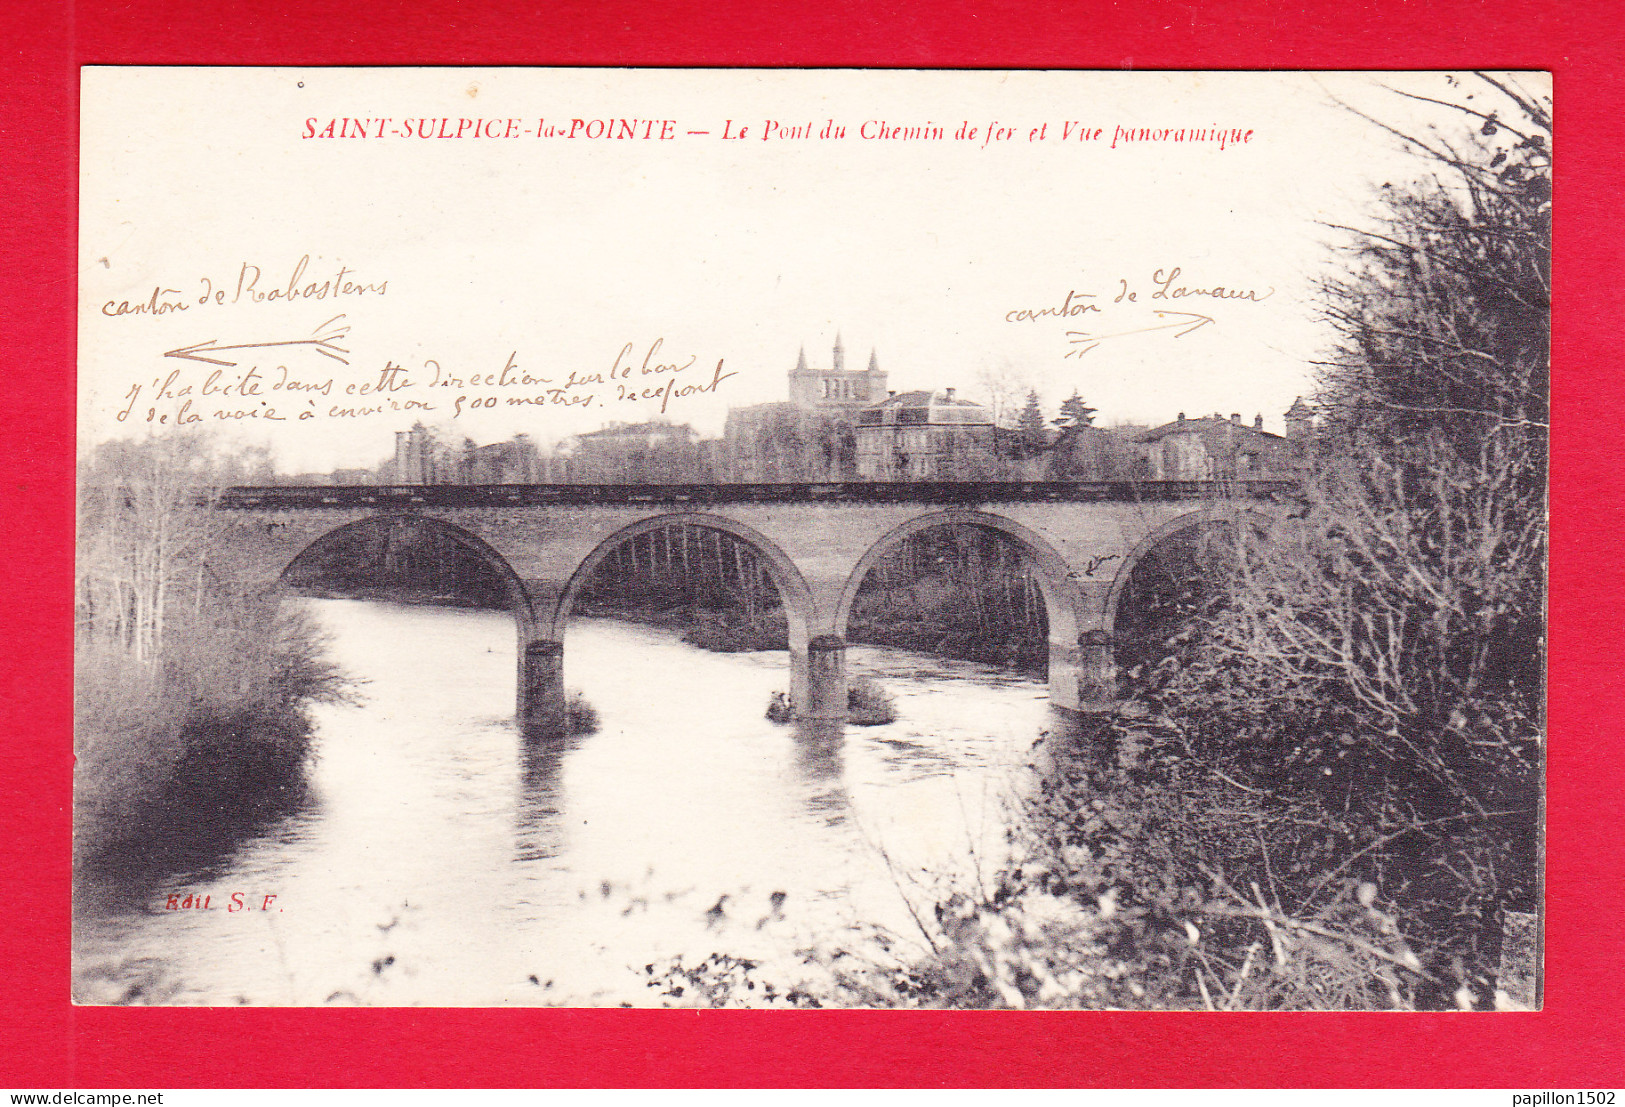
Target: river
x=438, y=859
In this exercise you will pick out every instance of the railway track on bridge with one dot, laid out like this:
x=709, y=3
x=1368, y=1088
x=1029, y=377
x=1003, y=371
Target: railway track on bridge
x=271, y=497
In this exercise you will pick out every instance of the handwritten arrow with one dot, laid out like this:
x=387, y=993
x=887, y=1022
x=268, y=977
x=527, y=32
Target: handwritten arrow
x=325, y=340
x=1191, y=321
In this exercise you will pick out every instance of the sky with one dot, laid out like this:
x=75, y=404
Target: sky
x=721, y=229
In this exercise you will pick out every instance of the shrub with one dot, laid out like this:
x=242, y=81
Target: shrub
x=189, y=691
x=583, y=715
x=1370, y=675
x=1132, y=885
x=780, y=708
x=869, y=704
x=721, y=980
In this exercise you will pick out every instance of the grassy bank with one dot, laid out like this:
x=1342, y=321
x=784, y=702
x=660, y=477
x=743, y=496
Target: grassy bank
x=189, y=692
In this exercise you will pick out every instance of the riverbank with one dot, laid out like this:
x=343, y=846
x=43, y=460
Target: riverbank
x=212, y=735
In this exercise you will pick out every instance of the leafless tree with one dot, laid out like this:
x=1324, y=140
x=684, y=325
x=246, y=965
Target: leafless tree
x=144, y=529
x=1003, y=388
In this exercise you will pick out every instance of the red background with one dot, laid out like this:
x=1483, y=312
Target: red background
x=45, y=1042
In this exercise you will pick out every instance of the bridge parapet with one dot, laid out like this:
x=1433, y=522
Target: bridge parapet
x=405, y=497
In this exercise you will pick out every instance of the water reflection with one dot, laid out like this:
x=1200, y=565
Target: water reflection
x=540, y=800
x=201, y=848
x=818, y=763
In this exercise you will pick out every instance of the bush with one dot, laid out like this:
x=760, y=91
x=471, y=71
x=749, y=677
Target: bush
x=780, y=709
x=583, y=715
x=1369, y=676
x=868, y=704
x=189, y=693
x=721, y=980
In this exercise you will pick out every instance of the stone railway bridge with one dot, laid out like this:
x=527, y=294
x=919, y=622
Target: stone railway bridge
x=816, y=541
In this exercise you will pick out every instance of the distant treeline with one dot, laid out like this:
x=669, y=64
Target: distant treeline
x=955, y=591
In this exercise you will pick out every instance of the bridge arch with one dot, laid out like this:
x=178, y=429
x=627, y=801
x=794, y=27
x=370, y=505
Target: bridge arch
x=817, y=693
x=1054, y=577
x=517, y=595
x=1053, y=571
x=800, y=611
x=1159, y=537
x=1136, y=610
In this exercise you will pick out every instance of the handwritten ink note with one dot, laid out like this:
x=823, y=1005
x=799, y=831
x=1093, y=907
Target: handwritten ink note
x=1167, y=285
x=222, y=390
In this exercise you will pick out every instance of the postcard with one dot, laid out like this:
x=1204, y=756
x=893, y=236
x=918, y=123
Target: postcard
x=797, y=538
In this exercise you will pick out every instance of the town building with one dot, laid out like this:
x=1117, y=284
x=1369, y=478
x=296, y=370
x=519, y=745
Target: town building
x=418, y=458
x=353, y=476
x=656, y=452
x=515, y=461
x=421, y=458
x=1300, y=420
x=1212, y=447
x=926, y=435
x=839, y=424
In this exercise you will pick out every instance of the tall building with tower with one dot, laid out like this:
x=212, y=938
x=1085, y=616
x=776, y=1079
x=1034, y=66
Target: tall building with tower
x=836, y=388
x=809, y=436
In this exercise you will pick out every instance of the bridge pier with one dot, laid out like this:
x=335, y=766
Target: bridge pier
x=1064, y=671
x=1097, y=672
x=823, y=695
x=542, y=710
x=1091, y=670
x=1083, y=674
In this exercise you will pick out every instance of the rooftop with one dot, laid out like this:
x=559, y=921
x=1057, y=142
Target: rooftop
x=925, y=407
x=1205, y=424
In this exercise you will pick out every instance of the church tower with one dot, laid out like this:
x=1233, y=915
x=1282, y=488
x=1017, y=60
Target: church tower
x=876, y=378
x=836, y=389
